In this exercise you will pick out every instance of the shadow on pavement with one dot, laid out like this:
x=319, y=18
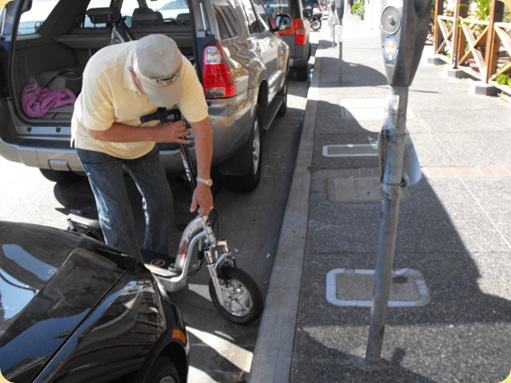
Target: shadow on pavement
x=460, y=334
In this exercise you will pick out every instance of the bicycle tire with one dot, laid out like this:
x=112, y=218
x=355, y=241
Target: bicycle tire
x=247, y=305
x=316, y=25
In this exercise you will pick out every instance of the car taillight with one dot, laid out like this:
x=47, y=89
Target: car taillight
x=300, y=38
x=218, y=77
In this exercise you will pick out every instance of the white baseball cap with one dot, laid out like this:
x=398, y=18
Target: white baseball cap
x=157, y=63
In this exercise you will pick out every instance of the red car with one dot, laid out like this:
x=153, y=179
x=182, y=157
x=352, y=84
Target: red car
x=297, y=37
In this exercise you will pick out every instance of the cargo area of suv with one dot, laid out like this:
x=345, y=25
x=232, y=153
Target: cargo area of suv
x=47, y=43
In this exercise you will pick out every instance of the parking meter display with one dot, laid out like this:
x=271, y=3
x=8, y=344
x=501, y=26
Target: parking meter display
x=404, y=26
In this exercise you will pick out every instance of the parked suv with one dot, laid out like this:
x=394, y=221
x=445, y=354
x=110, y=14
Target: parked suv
x=297, y=37
x=240, y=59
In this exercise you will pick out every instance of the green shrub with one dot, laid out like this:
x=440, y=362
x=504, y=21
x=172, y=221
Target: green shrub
x=358, y=8
x=483, y=8
x=504, y=79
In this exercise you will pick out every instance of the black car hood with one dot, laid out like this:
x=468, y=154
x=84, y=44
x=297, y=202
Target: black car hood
x=50, y=280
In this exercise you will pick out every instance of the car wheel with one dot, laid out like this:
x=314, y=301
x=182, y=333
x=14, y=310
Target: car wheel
x=252, y=153
x=61, y=177
x=302, y=73
x=283, y=94
x=163, y=371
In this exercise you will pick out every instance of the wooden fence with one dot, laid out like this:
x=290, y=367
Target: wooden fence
x=481, y=48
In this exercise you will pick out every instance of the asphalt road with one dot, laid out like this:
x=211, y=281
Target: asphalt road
x=220, y=351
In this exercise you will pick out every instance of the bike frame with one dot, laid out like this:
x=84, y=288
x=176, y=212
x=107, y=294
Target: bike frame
x=197, y=236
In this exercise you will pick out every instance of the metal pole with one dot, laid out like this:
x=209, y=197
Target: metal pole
x=338, y=33
x=393, y=138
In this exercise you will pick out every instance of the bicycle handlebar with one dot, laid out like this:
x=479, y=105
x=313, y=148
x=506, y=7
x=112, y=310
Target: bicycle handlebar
x=163, y=115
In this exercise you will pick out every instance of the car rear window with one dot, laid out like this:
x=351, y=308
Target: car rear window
x=282, y=6
x=171, y=10
x=227, y=20
x=276, y=6
x=262, y=15
x=253, y=24
x=31, y=21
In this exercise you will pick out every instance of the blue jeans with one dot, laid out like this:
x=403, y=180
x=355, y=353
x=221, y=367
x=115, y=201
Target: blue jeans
x=106, y=178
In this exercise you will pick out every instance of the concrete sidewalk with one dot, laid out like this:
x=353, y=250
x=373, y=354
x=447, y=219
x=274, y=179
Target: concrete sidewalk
x=452, y=288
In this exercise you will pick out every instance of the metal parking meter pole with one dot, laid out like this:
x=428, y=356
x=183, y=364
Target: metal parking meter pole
x=338, y=36
x=404, y=26
x=333, y=20
x=339, y=12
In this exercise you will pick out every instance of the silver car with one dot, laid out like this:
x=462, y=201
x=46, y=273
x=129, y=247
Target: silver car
x=239, y=57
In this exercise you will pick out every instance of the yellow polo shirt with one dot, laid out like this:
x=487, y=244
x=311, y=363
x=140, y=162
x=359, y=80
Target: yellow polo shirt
x=109, y=95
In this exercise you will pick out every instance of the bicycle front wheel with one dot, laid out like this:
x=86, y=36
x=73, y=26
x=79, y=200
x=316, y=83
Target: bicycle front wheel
x=241, y=301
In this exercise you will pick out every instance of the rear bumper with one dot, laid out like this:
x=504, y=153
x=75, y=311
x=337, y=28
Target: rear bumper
x=298, y=54
x=230, y=120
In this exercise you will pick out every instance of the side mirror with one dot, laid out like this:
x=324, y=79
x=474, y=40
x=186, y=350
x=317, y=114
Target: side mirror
x=283, y=22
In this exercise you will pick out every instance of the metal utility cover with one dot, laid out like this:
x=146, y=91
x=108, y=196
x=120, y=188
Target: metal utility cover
x=353, y=190
x=354, y=287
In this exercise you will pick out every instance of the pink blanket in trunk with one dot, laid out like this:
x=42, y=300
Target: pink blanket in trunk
x=37, y=102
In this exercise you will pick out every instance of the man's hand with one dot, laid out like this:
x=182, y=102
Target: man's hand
x=174, y=131
x=203, y=199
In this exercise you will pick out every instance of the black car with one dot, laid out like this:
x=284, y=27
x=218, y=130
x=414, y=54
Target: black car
x=74, y=310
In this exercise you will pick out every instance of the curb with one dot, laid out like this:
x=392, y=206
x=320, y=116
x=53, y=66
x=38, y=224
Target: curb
x=274, y=347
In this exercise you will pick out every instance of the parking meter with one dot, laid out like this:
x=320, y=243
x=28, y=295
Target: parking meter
x=404, y=28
